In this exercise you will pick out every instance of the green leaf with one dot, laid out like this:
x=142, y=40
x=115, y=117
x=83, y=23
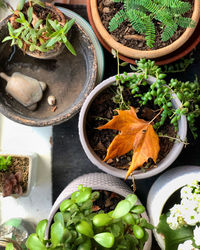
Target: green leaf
x=41, y=228
x=101, y=220
x=85, y=228
x=20, y=5
x=59, y=217
x=70, y=47
x=87, y=245
x=52, y=41
x=38, y=2
x=9, y=246
x=173, y=237
x=32, y=47
x=57, y=233
x=53, y=24
x=84, y=196
x=132, y=198
x=30, y=14
x=139, y=209
x=10, y=29
x=65, y=205
x=122, y=208
x=7, y=38
x=38, y=23
x=14, y=222
x=68, y=26
x=34, y=243
x=19, y=43
x=105, y=239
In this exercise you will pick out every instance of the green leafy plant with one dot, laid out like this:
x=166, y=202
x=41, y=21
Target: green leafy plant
x=5, y=162
x=143, y=13
x=160, y=93
x=9, y=246
x=33, y=35
x=76, y=226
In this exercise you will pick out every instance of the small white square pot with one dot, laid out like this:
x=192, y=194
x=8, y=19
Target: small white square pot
x=162, y=189
x=97, y=181
x=32, y=176
x=138, y=174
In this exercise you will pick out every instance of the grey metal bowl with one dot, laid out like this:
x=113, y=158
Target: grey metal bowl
x=69, y=78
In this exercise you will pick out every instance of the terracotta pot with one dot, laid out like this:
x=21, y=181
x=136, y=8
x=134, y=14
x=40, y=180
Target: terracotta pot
x=138, y=174
x=163, y=188
x=129, y=53
x=32, y=169
x=97, y=181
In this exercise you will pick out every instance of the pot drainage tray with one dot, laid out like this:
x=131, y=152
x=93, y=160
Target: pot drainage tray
x=69, y=78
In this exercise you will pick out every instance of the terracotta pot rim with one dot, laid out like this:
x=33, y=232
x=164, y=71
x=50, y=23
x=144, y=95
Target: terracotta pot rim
x=138, y=174
x=133, y=53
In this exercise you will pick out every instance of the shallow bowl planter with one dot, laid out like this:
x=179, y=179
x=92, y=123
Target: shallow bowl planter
x=69, y=79
x=138, y=174
x=163, y=188
x=97, y=181
x=133, y=53
x=31, y=167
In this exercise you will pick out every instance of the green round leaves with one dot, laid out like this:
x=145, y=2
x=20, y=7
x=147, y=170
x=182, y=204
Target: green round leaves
x=85, y=228
x=138, y=232
x=122, y=208
x=101, y=220
x=105, y=239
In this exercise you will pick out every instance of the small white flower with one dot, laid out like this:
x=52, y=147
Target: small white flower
x=196, y=233
x=187, y=245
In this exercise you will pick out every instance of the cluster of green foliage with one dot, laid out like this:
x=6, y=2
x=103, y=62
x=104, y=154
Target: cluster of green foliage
x=75, y=226
x=161, y=93
x=38, y=36
x=5, y=162
x=142, y=14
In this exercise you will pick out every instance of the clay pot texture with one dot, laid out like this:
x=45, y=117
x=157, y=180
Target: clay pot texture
x=133, y=53
x=163, y=188
x=138, y=174
x=97, y=181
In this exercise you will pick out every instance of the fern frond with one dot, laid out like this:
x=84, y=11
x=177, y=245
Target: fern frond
x=169, y=32
x=165, y=17
x=150, y=6
x=131, y=4
x=180, y=7
x=117, y=20
x=119, y=1
x=185, y=22
x=137, y=19
x=150, y=34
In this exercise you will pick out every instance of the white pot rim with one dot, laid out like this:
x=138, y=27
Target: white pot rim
x=138, y=174
x=163, y=188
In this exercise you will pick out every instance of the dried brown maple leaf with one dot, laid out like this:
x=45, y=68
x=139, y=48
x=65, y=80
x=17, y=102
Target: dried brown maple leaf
x=135, y=134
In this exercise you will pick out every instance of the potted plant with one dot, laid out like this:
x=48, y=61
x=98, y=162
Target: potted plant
x=127, y=25
x=77, y=222
x=39, y=29
x=155, y=104
x=17, y=174
x=173, y=206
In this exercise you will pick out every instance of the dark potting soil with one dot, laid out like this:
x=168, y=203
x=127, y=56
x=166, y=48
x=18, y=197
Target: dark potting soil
x=102, y=110
x=126, y=35
x=18, y=164
x=107, y=201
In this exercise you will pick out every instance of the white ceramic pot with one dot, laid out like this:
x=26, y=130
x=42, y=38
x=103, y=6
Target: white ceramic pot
x=97, y=181
x=32, y=176
x=138, y=174
x=163, y=188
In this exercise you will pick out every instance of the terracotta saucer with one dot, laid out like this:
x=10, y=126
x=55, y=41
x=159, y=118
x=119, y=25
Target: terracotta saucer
x=179, y=53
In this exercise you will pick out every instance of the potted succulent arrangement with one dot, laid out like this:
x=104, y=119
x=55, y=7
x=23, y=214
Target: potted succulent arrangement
x=17, y=174
x=39, y=29
x=126, y=123
x=84, y=219
x=173, y=206
x=144, y=29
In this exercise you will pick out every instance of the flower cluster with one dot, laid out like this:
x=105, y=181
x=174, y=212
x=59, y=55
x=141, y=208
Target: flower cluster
x=187, y=213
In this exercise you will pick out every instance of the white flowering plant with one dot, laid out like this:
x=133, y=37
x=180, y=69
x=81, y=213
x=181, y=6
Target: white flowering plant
x=181, y=225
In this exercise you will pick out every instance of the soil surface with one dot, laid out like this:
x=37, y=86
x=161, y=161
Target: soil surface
x=101, y=111
x=107, y=201
x=126, y=35
x=18, y=164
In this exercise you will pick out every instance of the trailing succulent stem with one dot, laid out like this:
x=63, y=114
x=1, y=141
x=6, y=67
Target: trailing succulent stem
x=29, y=32
x=142, y=14
x=160, y=93
x=76, y=226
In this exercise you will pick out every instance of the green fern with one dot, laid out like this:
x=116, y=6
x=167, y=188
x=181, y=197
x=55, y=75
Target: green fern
x=117, y=20
x=143, y=13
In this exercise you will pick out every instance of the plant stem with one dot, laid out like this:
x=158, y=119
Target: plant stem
x=173, y=138
x=161, y=110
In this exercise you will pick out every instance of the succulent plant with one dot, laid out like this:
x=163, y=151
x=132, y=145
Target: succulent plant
x=12, y=184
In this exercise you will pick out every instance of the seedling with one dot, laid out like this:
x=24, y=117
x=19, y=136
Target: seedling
x=4, y=163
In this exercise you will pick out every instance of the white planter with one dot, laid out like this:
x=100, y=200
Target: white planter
x=163, y=188
x=138, y=174
x=97, y=181
x=32, y=176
